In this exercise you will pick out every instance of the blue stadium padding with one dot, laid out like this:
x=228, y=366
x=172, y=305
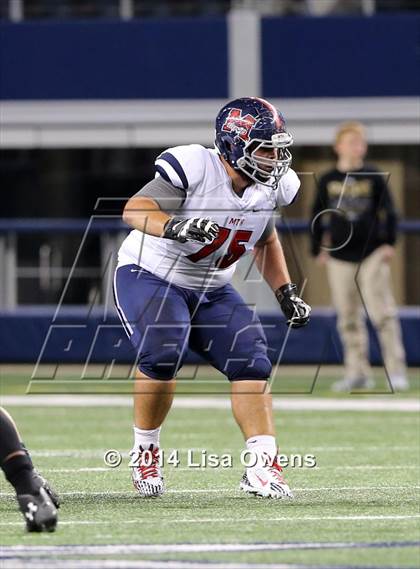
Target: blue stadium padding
x=341, y=56
x=140, y=59
x=83, y=335
x=188, y=58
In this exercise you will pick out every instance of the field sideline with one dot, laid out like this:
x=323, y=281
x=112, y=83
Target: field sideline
x=357, y=508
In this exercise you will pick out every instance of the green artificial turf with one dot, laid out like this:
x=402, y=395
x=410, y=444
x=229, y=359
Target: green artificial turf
x=365, y=488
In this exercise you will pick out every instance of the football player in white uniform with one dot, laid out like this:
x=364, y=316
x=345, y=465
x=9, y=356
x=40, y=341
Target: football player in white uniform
x=191, y=224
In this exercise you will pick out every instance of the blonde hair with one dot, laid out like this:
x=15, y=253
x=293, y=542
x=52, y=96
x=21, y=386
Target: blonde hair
x=350, y=126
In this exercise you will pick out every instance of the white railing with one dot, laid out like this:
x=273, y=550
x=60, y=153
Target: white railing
x=126, y=8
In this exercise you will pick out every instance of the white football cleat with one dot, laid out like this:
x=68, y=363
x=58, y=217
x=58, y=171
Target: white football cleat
x=146, y=474
x=399, y=382
x=265, y=481
x=352, y=383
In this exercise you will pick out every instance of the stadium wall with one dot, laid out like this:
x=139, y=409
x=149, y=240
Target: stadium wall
x=185, y=58
x=160, y=82
x=167, y=59
x=30, y=334
x=341, y=57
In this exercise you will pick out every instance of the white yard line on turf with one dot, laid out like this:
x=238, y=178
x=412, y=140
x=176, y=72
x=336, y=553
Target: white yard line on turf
x=71, y=470
x=203, y=468
x=376, y=467
x=43, y=563
x=300, y=403
x=266, y=519
x=97, y=453
x=231, y=490
x=24, y=550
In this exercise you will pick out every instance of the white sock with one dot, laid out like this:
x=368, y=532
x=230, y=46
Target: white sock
x=263, y=446
x=144, y=438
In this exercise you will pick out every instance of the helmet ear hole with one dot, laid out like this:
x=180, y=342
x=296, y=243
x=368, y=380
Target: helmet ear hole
x=228, y=151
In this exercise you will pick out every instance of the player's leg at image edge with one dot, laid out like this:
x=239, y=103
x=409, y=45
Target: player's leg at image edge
x=37, y=501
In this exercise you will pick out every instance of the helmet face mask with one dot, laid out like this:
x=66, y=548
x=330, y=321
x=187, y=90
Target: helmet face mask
x=263, y=169
x=251, y=136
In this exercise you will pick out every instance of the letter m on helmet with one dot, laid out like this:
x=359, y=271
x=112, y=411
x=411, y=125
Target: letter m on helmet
x=241, y=125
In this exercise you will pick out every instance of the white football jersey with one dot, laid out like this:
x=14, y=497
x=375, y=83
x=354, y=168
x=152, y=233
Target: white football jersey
x=209, y=193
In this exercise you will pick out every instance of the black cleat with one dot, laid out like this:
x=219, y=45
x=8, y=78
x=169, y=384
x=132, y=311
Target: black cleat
x=40, y=480
x=38, y=510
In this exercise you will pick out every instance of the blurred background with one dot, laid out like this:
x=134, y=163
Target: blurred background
x=91, y=91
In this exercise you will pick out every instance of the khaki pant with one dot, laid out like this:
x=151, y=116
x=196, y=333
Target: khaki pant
x=357, y=292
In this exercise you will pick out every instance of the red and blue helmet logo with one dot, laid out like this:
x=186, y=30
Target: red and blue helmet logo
x=239, y=124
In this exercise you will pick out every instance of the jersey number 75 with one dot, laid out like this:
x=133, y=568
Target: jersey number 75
x=236, y=247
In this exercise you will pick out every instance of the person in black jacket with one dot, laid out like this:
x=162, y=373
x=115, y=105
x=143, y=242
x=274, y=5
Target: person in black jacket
x=353, y=200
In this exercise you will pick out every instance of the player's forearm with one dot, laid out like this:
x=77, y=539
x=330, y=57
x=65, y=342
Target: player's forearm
x=145, y=215
x=271, y=263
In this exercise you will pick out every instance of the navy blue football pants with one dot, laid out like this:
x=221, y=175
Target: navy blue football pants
x=163, y=319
